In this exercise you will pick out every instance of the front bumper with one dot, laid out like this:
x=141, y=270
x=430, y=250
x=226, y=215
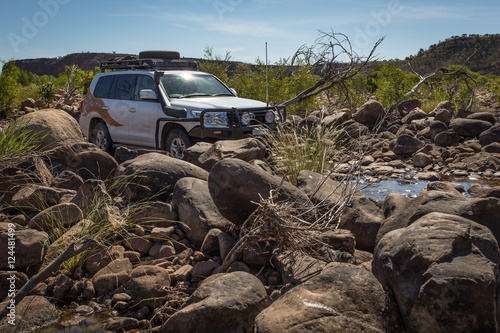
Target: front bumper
x=236, y=129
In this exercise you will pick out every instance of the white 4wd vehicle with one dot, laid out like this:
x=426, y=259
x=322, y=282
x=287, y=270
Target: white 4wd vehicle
x=159, y=101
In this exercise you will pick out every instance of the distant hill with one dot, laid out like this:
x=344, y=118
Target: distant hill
x=55, y=66
x=454, y=51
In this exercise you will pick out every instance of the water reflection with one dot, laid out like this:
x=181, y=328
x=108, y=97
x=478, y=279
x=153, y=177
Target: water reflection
x=408, y=187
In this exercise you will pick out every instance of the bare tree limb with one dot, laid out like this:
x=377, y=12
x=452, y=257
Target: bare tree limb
x=441, y=71
x=328, y=54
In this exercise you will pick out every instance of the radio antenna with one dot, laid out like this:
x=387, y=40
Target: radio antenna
x=267, y=82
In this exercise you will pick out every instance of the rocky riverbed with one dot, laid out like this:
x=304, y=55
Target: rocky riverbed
x=426, y=263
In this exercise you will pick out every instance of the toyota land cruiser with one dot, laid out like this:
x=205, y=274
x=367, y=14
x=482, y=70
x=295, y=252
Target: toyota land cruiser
x=158, y=100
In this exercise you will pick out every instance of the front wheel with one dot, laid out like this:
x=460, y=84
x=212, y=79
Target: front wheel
x=177, y=142
x=101, y=137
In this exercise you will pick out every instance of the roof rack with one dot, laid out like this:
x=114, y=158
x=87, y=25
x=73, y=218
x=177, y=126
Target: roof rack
x=131, y=63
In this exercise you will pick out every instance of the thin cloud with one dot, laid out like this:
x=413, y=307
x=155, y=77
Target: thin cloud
x=432, y=13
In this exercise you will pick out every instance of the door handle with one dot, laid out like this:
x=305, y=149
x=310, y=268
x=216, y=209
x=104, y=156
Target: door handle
x=132, y=109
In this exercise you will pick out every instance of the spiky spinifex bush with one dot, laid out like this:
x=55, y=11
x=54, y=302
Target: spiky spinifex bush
x=295, y=148
x=17, y=142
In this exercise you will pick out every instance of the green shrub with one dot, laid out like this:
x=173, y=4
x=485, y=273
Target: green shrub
x=47, y=92
x=390, y=83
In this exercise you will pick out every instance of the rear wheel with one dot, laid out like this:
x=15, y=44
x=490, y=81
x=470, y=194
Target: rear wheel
x=101, y=137
x=177, y=142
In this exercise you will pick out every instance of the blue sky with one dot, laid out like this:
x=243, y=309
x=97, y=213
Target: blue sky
x=51, y=28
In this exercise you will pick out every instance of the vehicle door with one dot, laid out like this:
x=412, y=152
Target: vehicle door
x=143, y=113
x=119, y=105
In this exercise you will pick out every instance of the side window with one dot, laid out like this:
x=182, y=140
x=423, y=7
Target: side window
x=103, y=87
x=124, y=86
x=144, y=82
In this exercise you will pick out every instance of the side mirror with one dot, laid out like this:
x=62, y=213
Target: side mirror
x=148, y=94
x=233, y=91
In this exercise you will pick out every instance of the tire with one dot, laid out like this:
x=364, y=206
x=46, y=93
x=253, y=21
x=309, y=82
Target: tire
x=101, y=137
x=159, y=55
x=177, y=142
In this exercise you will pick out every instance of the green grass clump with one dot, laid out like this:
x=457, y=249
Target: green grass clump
x=17, y=141
x=294, y=148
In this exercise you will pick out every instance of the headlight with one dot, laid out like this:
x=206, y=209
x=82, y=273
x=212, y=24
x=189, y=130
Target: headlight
x=246, y=118
x=270, y=117
x=217, y=119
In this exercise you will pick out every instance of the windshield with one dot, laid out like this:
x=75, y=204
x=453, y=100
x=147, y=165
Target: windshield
x=185, y=85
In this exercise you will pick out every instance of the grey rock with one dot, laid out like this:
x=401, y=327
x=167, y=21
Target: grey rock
x=244, y=149
x=343, y=298
x=442, y=272
x=30, y=247
x=157, y=176
x=32, y=311
x=234, y=299
x=234, y=184
x=469, y=127
x=148, y=281
x=197, y=210
x=370, y=113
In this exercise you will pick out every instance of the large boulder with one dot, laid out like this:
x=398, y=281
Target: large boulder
x=322, y=189
x=370, y=113
x=393, y=204
x=436, y=127
x=482, y=162
x=32, y=312
x=406, y=145
x=197, y=211
x=442, y=271
x=486, y=116
x=336, y=118
x=342, y=298
x=229, y=303
x=415, y=114
x=244, y=149
x=363, y=217
x=34, y=197
x=148, y=281
x=296, y=268
x=155, y=214
x=481, y=210
x=61, y=215
x=490, y=135
x=31, y=170
x=406, y=106
x=194, y=152
x=93, y=164
x=469, y=127
x=113, y=276
x=446, y=138
x=29, y=249
x=154, y=175
x=57, y=126
x=446, y=105
x=444, y=116
x=236, y=186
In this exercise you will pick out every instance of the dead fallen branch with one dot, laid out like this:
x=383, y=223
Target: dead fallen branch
x=74, y=249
